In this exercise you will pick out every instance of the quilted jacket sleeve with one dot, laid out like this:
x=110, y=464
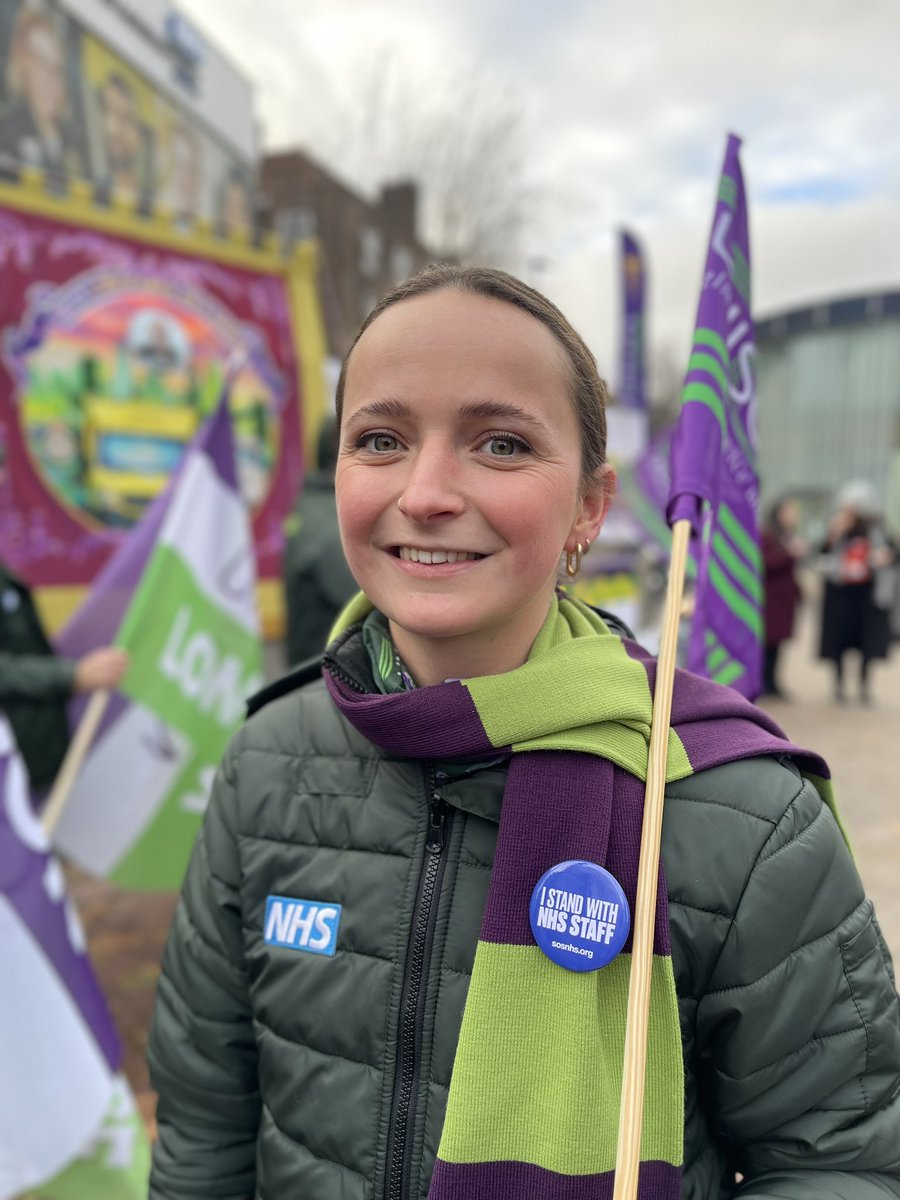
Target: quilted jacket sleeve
x=35, y=677
x=202, y=1051
x=801, y=1025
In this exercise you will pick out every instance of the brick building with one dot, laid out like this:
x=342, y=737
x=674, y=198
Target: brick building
x=366, y=246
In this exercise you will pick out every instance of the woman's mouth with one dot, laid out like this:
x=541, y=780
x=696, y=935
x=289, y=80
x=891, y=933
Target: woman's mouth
x=433, y=557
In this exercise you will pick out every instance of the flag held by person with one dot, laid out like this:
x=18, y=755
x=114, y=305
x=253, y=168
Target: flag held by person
x=68, y=1120
x=714, y=476
x=184, y=592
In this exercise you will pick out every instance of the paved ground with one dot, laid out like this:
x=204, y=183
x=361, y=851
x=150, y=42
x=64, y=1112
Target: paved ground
x=862, y=746
x=126, y=930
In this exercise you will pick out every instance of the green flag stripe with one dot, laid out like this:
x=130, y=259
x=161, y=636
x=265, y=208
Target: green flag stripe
x=706, y=362
x=747, y=578
x=728, y=191
x=729, y=673
x=738, y=604
x=739, y=535
x=741, y=273
x=712, y=341
x=643, y=508
x=702, y=393
x=715, y=658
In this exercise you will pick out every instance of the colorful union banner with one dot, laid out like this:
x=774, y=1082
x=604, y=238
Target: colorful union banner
x=714, y=476
x=180, y=597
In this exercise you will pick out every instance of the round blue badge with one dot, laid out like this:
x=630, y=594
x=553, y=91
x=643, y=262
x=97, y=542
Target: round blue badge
x=579, y=915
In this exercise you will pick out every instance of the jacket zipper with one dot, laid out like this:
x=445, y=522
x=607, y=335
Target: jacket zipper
x=412, y=998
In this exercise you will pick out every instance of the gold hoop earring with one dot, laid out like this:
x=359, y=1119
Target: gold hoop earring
x=573, y=560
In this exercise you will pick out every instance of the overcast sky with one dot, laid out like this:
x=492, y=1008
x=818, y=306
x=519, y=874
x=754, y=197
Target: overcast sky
x=626, y=107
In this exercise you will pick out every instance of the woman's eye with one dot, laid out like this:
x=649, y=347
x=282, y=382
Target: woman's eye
x=381, y=443
x=501, y=445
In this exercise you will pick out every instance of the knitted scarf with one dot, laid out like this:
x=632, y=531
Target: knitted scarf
x=534, y=1096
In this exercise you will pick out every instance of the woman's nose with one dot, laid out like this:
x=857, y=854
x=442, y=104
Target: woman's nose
x=432, y=487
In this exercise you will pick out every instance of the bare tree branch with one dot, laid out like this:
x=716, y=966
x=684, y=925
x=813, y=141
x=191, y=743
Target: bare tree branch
x=460, y=135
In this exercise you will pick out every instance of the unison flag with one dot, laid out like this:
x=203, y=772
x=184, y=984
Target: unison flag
x=184, y=590
x=68, y=1124
x=632, y=387
x=714, y=477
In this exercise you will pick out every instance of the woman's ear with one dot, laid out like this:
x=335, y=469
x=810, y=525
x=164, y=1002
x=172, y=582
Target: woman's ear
x=595, y=502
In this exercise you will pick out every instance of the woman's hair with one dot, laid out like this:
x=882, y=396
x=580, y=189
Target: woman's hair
x=588, y=391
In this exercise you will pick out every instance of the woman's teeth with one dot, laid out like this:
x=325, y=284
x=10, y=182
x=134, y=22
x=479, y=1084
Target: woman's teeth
x=411, y=554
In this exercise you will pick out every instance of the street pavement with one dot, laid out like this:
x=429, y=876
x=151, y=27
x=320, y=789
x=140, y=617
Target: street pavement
x=861, y=744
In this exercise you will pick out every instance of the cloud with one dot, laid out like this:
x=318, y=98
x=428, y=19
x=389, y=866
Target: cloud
x=626, y=109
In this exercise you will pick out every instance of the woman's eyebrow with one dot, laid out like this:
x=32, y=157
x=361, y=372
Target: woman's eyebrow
x=389, y=407
x=501, y=410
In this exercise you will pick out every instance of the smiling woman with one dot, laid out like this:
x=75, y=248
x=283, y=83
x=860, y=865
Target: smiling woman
x=365, y=992
x=459, y=442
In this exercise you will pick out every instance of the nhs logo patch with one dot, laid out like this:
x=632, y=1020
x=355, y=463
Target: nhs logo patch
x=310, y=925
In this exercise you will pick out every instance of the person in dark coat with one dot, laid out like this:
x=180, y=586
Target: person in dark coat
x=36, y=684
x=781, y=551
x=317, y=580
x=856, y=557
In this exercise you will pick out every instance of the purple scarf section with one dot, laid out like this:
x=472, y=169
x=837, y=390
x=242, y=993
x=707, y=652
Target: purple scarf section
x=487, y=1181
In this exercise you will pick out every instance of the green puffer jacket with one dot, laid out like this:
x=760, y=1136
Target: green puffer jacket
x=281, y=1074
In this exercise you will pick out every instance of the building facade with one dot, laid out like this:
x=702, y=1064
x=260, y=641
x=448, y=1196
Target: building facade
x=828, y=383
x=366, y=246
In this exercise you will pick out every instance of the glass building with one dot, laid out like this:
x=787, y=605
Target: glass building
x=828, y=386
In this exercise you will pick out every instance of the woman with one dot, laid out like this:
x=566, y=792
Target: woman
x=350, y=879
x=781, y=550
x=856, y=558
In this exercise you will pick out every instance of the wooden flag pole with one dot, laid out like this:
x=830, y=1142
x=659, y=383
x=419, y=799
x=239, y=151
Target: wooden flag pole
x=75, y=756
x=631, y=1110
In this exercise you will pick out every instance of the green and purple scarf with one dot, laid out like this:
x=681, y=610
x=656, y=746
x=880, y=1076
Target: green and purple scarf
x=534, y=1098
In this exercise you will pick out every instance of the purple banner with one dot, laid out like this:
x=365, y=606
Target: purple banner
x=632, y=386
x=714, y=479
x=32, y=884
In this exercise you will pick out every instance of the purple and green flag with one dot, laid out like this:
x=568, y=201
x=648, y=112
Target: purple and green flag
x=180, y=597
x=68, y=1124
x=632, y=387
x=714, y=475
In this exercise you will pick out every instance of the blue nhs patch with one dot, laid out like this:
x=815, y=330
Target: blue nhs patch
x=310, y=925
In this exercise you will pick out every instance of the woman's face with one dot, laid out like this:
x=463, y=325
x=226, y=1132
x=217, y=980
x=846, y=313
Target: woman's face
x=458, y=481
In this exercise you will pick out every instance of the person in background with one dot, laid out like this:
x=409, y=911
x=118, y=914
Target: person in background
x=35, y=683
x=471, y=733
x=317, y=580
x=857, y=558
x=781, y=551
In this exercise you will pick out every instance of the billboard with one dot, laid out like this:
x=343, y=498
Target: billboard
x=73, y=108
